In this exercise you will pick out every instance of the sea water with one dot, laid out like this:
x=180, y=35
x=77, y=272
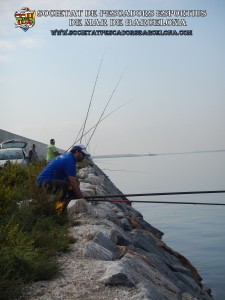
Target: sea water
x=196, y=231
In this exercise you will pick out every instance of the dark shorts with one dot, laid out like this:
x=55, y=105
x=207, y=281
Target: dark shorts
x=58, y=185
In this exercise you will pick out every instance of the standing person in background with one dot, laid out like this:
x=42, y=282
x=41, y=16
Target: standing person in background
x=33, y=154
x=52, y=151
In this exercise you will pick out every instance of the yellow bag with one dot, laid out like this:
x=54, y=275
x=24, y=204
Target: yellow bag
x=59, y=205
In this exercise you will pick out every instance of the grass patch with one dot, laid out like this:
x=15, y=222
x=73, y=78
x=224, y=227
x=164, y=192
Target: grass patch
x=31, y=232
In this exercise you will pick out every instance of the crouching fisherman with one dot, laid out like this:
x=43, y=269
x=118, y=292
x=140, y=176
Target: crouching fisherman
x=60, y=175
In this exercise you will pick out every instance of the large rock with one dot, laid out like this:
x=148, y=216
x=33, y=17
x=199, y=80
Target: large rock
x=95, y=251
x=79, y=206
x=123, y=239
x=133, y=250
x=116, y=274
x=131, y=270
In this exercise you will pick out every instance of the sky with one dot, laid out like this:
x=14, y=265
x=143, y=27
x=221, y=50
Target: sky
x=170, y=97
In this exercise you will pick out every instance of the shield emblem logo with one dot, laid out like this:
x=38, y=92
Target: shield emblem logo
x=25, y=18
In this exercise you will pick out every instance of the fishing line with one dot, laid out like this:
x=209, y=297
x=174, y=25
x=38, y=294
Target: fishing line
x=127, y=171
x=120, y=155
x=191, y=152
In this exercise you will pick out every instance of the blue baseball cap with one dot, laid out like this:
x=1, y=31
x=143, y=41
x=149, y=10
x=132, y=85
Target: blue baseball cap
x=81, y=148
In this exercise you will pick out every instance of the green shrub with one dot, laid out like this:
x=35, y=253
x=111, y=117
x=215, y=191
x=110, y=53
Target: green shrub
x=31, y=232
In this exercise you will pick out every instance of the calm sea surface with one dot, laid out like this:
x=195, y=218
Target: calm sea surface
x=196, y=231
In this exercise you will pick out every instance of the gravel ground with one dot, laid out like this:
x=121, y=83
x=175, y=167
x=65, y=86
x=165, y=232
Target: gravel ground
x=79, y=279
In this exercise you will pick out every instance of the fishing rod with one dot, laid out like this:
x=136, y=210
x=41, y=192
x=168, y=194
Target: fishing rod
x=156, y=194
x=91, y=98
x=99, y=120
x=97, y=123
x=161, y=202
x=83, y=126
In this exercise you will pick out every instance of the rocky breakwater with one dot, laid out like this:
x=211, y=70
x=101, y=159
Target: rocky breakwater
x=117, y=254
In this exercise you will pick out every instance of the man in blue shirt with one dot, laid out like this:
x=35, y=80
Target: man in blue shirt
x=61, y=172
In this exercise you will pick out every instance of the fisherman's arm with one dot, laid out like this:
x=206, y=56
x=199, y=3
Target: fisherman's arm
x=74, y=182
x=57, y=152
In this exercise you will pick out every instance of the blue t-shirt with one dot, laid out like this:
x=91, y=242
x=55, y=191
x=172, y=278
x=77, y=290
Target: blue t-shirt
x=59, y=168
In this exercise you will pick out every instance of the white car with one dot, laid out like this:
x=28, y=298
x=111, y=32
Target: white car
x=13, y=151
